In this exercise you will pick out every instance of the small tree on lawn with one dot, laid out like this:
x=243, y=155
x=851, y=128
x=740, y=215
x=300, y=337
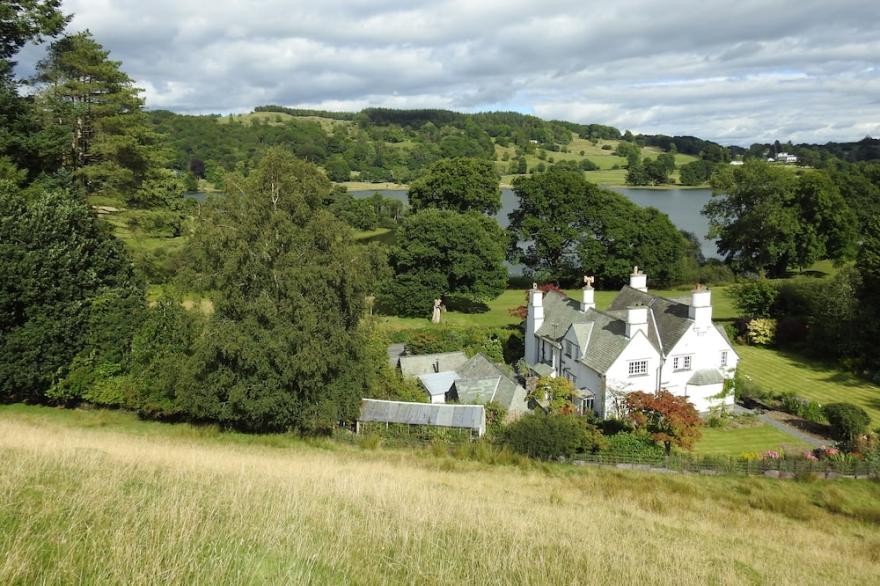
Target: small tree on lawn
x=670, y=420
x=556, y=394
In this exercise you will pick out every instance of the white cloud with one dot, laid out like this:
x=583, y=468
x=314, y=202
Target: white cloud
x=733, y=72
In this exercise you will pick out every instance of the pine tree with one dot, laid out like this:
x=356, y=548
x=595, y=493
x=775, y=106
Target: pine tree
x=110, y=148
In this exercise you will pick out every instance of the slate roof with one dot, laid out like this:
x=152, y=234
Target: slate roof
x=475, y=378
x=462, y=416
x=411, y=366
x=668, y=319
x=476, y=391
x=601, y=335
x=438, y=383
x=708, y=376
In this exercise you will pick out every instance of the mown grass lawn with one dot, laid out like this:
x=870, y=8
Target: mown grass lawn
x=783, y=372
x=733, y=442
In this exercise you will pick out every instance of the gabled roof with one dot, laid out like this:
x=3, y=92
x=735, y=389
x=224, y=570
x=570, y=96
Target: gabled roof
x=603, y=332
x=477, y=391
x=411, y=366
x=668, y=319
x=582, y=334
x=463, y=416
x=478, y=374
x=438, y=383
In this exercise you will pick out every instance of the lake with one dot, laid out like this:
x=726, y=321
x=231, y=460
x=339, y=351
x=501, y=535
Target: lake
x=681, y=205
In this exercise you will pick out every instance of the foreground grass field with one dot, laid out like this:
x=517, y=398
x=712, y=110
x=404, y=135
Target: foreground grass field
x=98, y=497
x=783, y=372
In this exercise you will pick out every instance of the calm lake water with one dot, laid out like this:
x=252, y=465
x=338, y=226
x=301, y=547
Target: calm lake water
x=681, y=205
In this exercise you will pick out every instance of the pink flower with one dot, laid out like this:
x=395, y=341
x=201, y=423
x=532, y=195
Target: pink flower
x=772, y=454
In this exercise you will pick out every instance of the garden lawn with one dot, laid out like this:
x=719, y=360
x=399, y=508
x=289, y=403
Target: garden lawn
x=782, y=372
x=733, y=442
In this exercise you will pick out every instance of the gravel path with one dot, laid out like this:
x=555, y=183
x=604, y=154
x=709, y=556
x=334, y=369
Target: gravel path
x=786, y=428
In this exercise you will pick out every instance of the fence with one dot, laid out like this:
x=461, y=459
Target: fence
x=780, y=467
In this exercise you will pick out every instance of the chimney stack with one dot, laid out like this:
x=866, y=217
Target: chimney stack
x=638, y=280
x=636, y=320
x=589, y=298
x=534, y=321
x=700, y=309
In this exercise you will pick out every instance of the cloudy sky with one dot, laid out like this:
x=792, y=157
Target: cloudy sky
x=735, y=72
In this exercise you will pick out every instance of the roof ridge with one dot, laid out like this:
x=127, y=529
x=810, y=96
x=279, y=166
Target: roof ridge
x=649, y=294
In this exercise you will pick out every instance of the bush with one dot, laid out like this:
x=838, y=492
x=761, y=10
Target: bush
x=544, y=436
x=629, y=445
x=761, y=332
x=847, y=421
x=755, y=298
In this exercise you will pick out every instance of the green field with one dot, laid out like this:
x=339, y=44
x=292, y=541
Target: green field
x=99, y=497
x=733, y=442
x=605, y=159
x=781, y=372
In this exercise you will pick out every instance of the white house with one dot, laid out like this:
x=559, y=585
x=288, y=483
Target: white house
x=643, y=342
x=786, y=158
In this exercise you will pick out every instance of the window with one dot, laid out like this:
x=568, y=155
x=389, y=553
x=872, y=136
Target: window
x=681, y=362
x=568, y=349
x=638, y=367
x=568, y=375
x=571, y=350
x=724, y=358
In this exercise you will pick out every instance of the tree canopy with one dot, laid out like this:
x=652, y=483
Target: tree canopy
x=445, y=253
x=102, y=136
x=289, y=287
x=767, y=219
x=67, y=288
x=565, y=225
x=462, y=185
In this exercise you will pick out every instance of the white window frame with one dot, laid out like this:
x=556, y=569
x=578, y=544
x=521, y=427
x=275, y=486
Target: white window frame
x=633, y=370
x=682, y=362
x=724, y=358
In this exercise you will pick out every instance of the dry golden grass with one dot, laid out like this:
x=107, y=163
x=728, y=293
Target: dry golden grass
x=89, y=505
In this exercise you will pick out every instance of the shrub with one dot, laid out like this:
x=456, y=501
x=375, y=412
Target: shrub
x=761, y=332
x=636, y=446
x=544, y=436
x=847, y=421
x=755, y=298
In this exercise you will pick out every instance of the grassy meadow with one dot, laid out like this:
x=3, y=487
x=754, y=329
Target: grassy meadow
x=98, y=496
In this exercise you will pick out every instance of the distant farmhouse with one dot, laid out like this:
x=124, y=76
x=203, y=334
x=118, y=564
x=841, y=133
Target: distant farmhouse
x=452, y=377
x=643, y=342
x=784, y=158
